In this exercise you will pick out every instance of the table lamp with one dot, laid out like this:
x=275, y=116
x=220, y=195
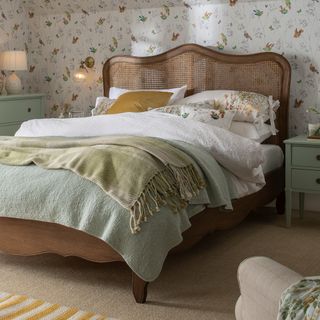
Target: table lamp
x=13, y=61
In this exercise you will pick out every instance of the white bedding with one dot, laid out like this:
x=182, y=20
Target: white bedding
x=240, y=156
x=273, y=157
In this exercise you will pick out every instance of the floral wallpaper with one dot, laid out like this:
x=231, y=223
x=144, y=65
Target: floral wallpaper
x=62, y=33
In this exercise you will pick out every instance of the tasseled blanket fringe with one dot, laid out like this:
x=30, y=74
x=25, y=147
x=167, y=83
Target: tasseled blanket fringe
x=173, y=187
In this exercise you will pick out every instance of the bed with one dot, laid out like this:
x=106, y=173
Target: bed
x=201, y=69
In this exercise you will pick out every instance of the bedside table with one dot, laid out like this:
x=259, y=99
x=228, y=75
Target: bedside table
x=15, y=109
x=302, y=171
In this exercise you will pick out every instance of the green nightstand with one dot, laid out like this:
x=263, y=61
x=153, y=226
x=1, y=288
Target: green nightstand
x=302, y=171
x=18, y=108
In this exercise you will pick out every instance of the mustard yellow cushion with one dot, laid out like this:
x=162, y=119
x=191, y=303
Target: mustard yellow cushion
x=139, y=101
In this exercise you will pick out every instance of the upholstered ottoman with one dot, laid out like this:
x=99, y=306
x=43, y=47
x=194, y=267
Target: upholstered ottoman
x=262, y=282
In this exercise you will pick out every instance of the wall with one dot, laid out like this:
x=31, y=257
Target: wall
x=14, y=30
x=62, y=33
x=62, y=39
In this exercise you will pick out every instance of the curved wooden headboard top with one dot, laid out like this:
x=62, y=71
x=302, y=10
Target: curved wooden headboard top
x=204, y=69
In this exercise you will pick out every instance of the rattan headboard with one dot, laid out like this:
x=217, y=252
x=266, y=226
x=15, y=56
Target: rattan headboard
x=204, y=69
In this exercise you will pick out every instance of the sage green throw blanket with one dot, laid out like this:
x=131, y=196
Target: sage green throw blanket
x=62, y=197
x=140, y=173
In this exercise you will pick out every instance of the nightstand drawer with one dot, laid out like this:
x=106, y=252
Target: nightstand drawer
x=9, y=129
x=306, y=156
x=20, y=110
x=306, y=179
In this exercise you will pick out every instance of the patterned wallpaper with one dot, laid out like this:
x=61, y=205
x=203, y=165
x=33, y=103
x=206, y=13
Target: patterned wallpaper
x=72, y=6
x=62, y=33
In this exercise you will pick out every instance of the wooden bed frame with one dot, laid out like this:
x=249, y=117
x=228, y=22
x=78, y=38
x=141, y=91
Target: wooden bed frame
x=201, y=69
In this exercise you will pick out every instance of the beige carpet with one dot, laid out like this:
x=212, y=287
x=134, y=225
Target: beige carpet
x=199, y=284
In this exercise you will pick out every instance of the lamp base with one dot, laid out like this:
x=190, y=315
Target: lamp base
x=13, y=85
x=4, y=91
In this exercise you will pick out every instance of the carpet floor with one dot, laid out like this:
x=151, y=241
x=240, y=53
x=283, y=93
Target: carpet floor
x=199, y=284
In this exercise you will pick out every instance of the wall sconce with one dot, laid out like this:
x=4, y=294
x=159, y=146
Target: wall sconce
x=82, y=73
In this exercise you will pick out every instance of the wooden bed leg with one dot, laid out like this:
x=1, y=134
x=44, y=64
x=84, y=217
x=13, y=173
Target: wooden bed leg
x=281, y=203
x=139, y=288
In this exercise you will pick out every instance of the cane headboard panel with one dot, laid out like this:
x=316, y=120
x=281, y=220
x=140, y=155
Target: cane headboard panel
x=205, y=69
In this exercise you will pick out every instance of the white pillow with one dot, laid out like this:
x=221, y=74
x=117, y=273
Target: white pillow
x=249, y=130
x=178, y=93
x=202, y=96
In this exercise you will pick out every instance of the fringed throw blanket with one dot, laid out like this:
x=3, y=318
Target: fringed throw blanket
x=301, y=301
x=140, y=173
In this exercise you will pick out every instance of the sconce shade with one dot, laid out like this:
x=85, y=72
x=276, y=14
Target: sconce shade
x=80, y=75
x=13, y=60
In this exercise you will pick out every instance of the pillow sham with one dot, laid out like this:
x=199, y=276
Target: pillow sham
x=139, y=101
x=208, y=115
x=176, y=109
x=202, y=112
x=249, y=106
x=178, y=93
x=102, y=105
x=249, y=131
x=172, y=109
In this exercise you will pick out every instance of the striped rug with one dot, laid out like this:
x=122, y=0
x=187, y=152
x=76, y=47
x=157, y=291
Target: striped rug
x=25, y=308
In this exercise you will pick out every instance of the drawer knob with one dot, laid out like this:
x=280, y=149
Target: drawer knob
x=318, y=157
x=29, y=110
x=318, y=181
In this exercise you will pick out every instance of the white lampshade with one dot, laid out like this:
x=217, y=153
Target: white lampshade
x=13, y=60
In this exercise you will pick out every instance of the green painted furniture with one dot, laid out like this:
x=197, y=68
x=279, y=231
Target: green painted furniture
x=18, y=108
x=302, y=171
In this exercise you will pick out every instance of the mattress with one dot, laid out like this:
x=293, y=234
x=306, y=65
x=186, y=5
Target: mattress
x=273, y=156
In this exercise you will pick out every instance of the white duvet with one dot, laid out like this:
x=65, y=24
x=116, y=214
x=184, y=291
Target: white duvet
x=241, y=156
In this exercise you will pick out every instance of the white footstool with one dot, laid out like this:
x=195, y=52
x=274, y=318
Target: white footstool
x=262, y=282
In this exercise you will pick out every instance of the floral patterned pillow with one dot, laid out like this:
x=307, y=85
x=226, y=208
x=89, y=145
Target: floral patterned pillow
x=250, y=107
x=103, y=104
x=172, y=109
x=206, y=112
